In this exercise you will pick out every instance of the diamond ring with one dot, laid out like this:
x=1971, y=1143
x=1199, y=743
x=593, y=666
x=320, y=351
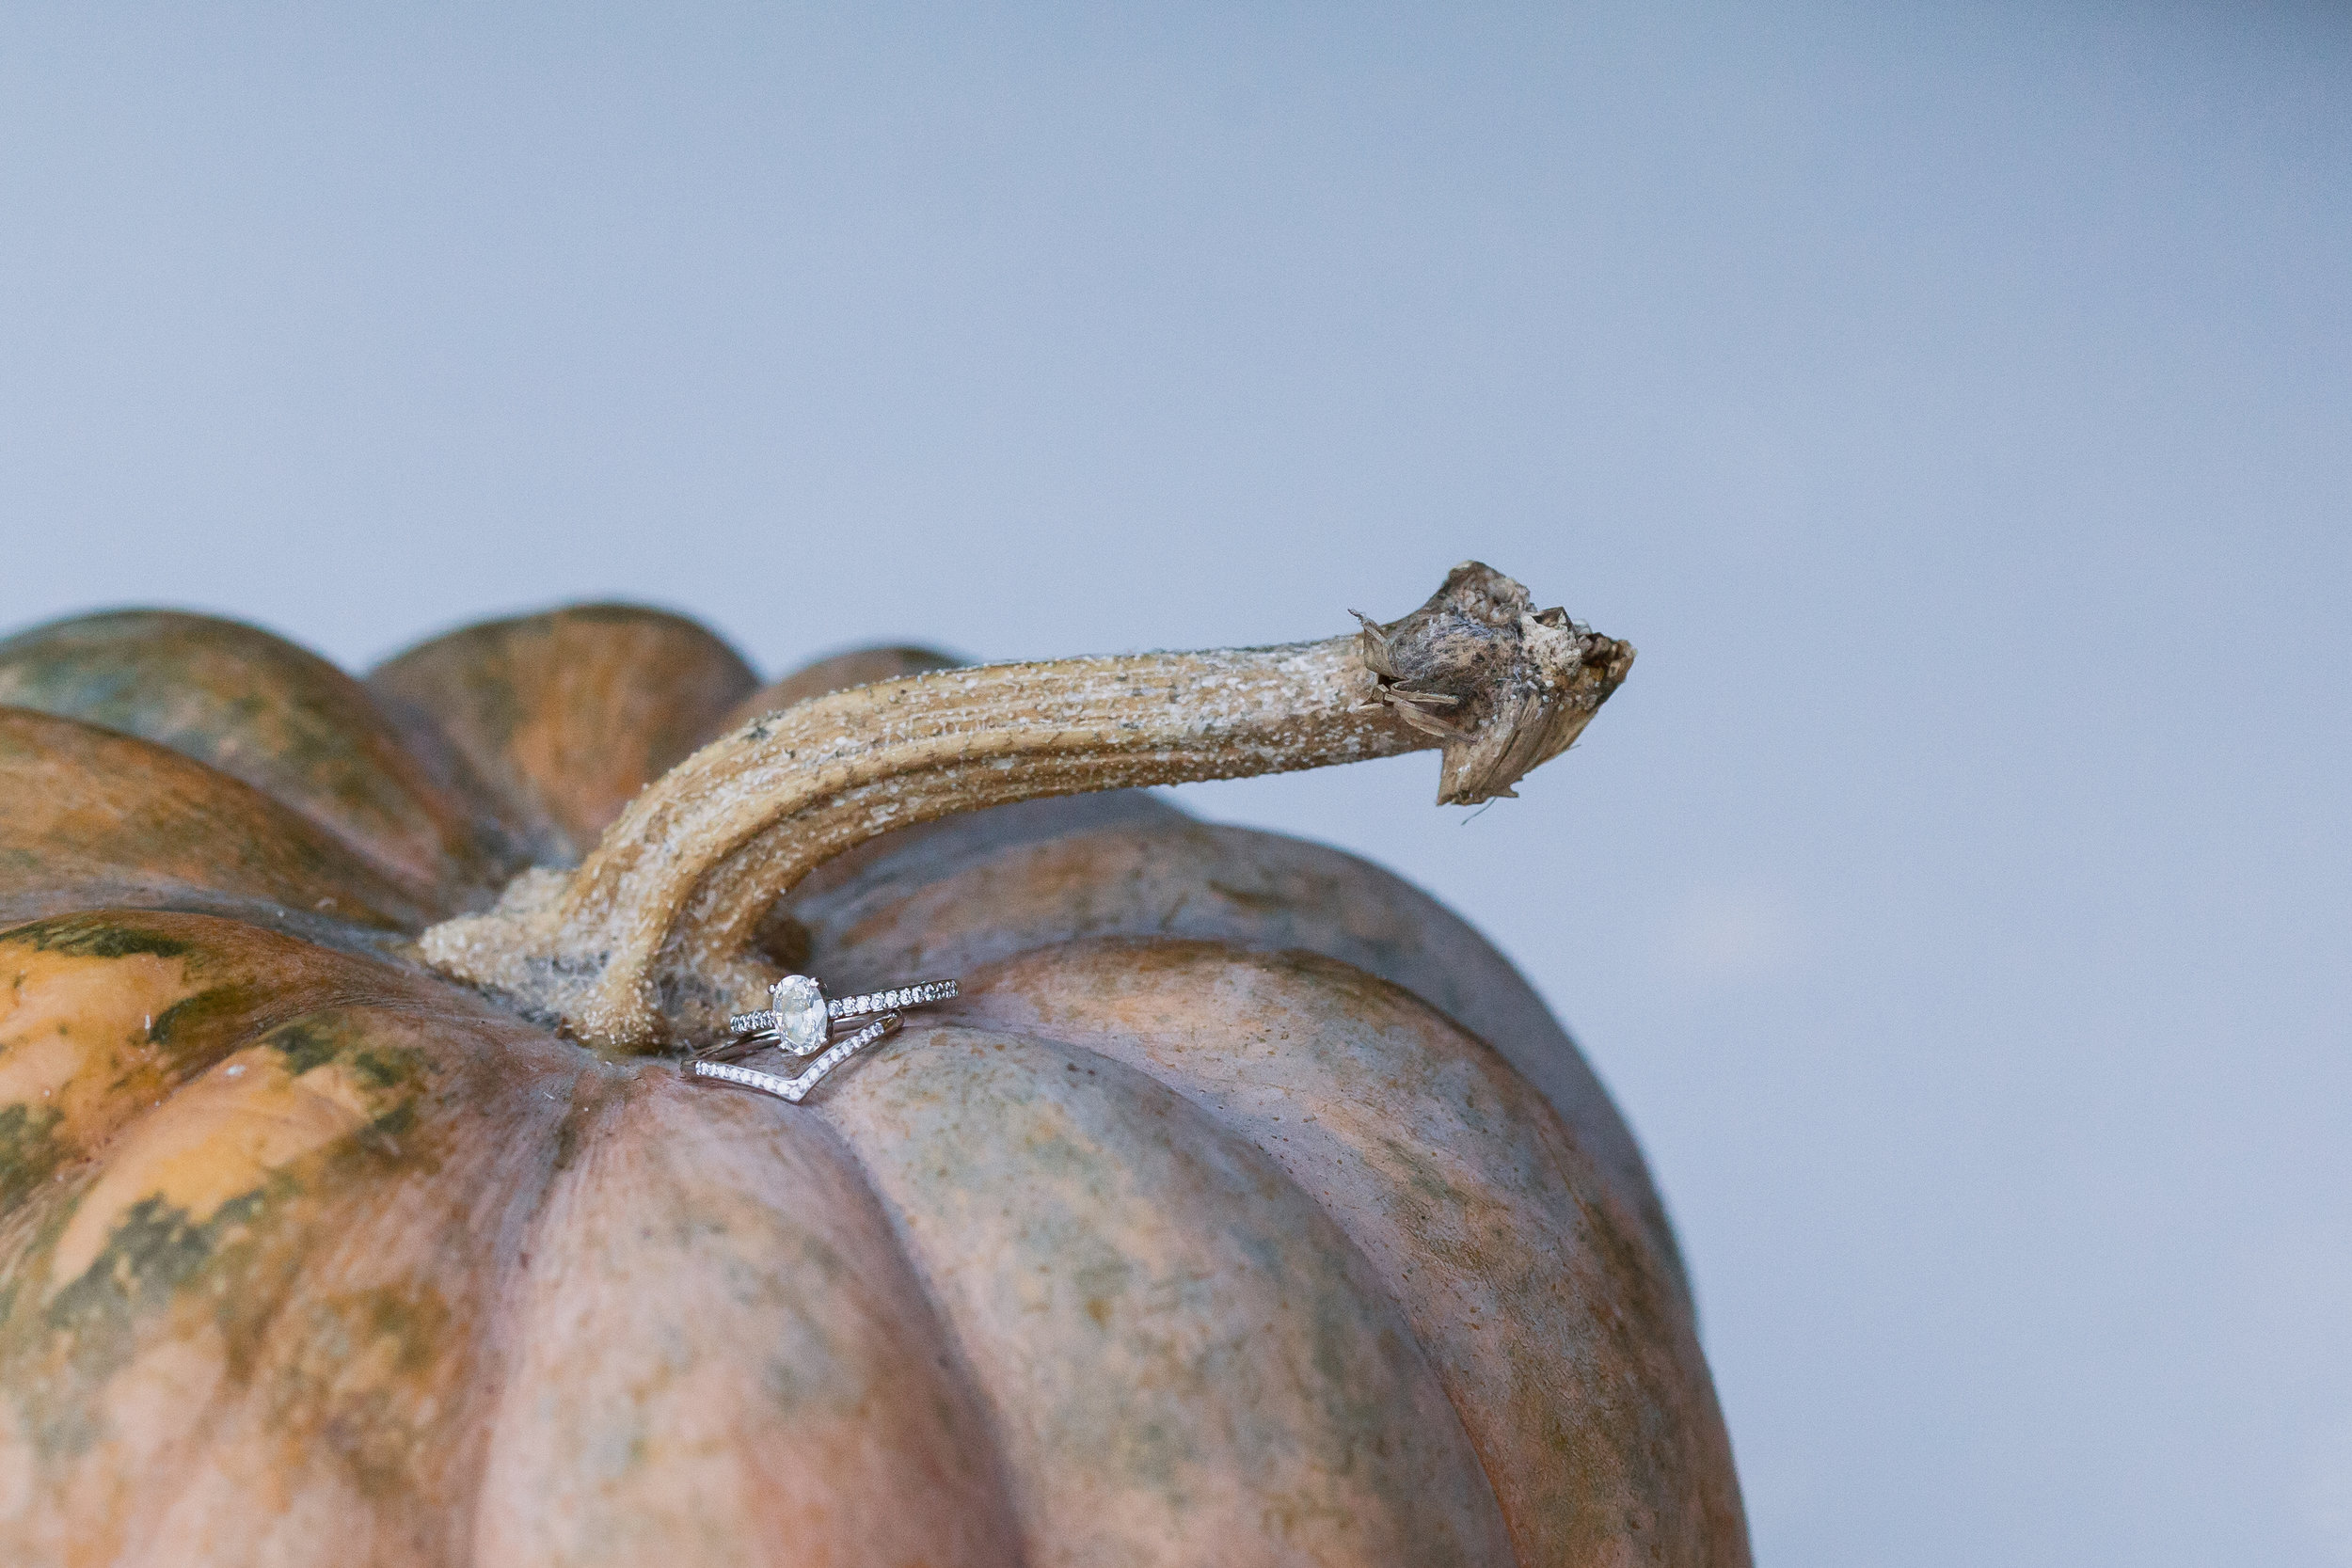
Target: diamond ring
x=801, y=1015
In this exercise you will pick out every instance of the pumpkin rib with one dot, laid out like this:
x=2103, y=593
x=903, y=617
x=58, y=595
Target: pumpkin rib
x=718, y=1347
x=1226, y=1379
x=956, y=1368
x=92, y=818
x=260, y=1320
x=101, y=1019
x=107, y=1013
x=563, y=715
x=257, y=707
x=968, y=891
x=370, y=1377
x=1555, y=1329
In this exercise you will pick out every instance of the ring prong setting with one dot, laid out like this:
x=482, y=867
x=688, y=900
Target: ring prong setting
x=799, y=1003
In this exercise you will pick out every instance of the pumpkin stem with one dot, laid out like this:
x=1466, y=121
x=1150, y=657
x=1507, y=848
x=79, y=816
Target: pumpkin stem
x=649, y=941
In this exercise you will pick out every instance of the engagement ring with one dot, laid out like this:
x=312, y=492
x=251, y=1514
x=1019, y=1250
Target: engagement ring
x=801, y=1015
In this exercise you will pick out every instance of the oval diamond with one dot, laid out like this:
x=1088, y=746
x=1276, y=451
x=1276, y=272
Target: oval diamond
x=800, y=1008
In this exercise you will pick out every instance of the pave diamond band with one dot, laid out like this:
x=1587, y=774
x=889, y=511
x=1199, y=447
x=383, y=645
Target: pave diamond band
x=800, y=1016
x=795, y=1088
x=890, y=1001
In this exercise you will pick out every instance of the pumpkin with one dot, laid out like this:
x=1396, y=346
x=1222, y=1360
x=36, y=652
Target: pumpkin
x=1247, y=1207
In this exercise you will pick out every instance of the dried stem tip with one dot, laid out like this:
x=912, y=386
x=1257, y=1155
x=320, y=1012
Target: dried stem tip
x=649, y=941
x=1501, y=686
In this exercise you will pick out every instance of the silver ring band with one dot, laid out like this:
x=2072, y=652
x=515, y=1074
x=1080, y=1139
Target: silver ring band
x=801, y=1015
x=765, y=1020
x=796, y=1088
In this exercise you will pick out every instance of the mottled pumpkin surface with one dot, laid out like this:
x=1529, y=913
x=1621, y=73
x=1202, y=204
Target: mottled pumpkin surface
x=1248, y=1209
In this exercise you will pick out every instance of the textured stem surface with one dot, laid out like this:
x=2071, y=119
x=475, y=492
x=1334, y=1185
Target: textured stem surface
x=649, y=941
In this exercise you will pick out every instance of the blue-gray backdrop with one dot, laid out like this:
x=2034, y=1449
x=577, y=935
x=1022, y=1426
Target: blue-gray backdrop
x=1954, y=403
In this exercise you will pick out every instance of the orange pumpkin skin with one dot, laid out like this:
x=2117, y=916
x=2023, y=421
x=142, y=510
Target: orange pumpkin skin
x=1248, y=1209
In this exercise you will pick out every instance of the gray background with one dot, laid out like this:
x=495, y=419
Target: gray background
x=1950, y=401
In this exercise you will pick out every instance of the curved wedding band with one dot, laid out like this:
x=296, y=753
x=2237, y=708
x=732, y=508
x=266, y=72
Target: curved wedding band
x=797, y=1087
x=801, y=1015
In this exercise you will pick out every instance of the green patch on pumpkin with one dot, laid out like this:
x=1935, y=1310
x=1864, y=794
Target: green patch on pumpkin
x=154, y=1249
x=306, y=1043
x=353, y=1370
x=27, y=1153
x=93, y=935
x=192, y=1018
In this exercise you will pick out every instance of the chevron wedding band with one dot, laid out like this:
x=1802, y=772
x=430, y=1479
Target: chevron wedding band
x=794, y=1088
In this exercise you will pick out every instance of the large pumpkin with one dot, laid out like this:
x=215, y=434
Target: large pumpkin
x=1246, y=1209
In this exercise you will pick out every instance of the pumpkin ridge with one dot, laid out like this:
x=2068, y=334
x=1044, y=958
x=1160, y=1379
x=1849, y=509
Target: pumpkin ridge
x=212, y=986
x=253, y=1279
x=965, y=891
x=957, y=1360
x=1181, y=1247
x=753, y=1362
x=265, y=710
x=88, y=815
x=1645, y=1463
x=559, y=716
x=957, y=1363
